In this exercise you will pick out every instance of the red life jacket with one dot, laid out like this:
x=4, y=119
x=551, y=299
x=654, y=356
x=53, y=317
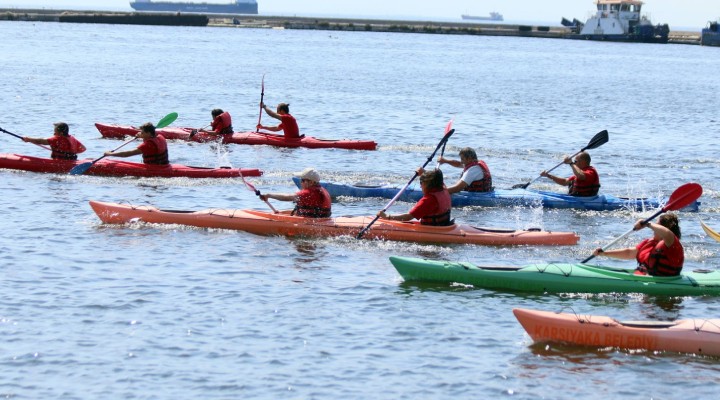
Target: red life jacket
x=313, y=202
x=441, y=215
x=155, y=151
x=656, y=259
x=588, y=187
x=484, y=184
x=222, y=124
x=65, y=147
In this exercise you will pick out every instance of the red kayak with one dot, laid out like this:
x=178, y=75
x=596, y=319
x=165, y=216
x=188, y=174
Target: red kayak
x=252, y=138
x=114, y=167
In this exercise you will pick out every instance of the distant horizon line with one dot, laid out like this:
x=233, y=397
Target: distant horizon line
x=344, y=16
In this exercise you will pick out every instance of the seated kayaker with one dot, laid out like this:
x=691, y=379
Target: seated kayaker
x=585, y=181
x=476, y=174
x=63, y=145
x=663, y=255
x=288, y=124
x=153, y=148
x=435, y=205
x=221, y=123
x=311, y=201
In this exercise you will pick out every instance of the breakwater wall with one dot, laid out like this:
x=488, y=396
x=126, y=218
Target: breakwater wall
x=331, y=24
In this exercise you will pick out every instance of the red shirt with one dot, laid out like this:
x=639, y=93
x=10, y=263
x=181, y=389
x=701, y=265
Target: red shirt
x=289, y=126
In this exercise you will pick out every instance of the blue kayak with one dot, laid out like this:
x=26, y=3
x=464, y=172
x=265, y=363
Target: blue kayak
x=505, y=198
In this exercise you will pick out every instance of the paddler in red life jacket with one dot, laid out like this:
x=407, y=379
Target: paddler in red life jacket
x=663, y=255
x=476, y=174
x=64, y=146
x=311, y=201
x=221, y=123
x=434, y=207
x=153, y=148
x=288, y=124
x=585, y=182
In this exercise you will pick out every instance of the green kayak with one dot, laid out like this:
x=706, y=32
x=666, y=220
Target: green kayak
x=557, y=278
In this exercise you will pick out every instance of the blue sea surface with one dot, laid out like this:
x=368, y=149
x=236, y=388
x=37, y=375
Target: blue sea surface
x=90, y=311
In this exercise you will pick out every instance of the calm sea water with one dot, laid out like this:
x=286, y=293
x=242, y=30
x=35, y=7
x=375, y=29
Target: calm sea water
x=91, y=311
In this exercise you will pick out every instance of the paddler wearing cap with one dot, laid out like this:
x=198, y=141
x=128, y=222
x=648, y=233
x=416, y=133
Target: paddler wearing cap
x=311, y=201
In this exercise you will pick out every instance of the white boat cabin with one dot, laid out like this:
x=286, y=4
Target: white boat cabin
x=615, y=17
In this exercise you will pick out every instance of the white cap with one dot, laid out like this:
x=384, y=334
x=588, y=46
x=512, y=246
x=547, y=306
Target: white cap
x=308, y=173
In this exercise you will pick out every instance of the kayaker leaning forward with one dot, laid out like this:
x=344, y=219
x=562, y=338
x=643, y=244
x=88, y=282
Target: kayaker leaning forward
x=476, y=174
x=153, y=148
x=585, y=181
x=311, y=201
x=435, y=205
x=221, y=123
x=288, y=124
x=63, y=145
x=662, y=255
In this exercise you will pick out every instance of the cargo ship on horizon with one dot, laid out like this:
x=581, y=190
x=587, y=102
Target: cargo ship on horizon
x=236, y=7
x=494, y=16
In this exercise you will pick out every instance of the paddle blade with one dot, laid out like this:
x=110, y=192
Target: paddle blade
x=598, y=140
x=710, y=232
x=167, y=120
x=81, y=168
x=680, y=198
x=449, y=126
x=683, y=196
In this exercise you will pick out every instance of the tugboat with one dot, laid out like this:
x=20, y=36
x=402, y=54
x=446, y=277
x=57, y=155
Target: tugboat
x=621, y=21
x=711, y=34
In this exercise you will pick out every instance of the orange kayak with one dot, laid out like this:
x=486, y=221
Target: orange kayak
x=698, y=336
x=284, y=224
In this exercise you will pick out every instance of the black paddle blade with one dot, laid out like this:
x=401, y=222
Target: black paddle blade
x=598, y=140
x=521, y=186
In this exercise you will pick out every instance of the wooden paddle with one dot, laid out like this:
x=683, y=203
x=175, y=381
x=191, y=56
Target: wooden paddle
x=710, y=232
x=446, y=136
x=82, y=168
x=598, y=140
x=20, y=137
x=680, y=198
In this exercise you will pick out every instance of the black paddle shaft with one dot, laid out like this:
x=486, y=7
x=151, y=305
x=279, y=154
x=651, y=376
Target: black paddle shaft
x=442, y=143
x=598, y=140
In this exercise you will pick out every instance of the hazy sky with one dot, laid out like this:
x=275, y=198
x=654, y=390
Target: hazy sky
x=677, y=13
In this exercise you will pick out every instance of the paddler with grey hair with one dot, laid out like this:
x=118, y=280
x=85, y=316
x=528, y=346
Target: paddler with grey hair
x=311, y=201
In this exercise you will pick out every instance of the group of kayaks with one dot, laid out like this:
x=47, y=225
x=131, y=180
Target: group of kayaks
x=695, y=336
x=118, y=168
